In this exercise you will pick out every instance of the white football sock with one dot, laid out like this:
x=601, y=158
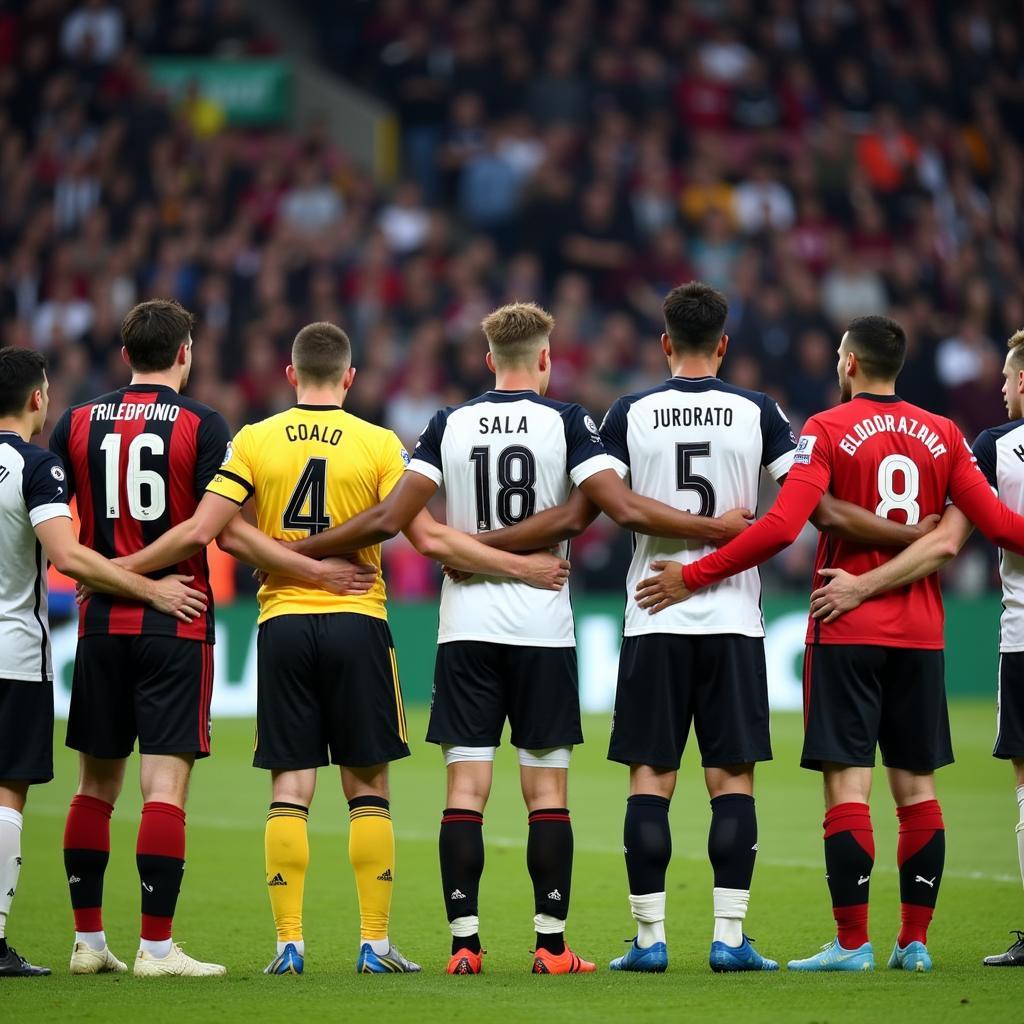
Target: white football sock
x=730, y=910
x=156, y=947
x=10, y=861
x=545, y=924
x=94, y=940
x=1020, y=803
x=649, y=914
x=299, y=945
x=463, y=927
x=379, y=946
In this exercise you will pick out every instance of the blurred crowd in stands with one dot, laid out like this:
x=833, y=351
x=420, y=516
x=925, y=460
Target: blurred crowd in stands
x=815, y=160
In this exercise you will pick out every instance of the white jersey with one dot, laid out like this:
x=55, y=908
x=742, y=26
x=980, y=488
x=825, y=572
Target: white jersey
x=33, y=489
x=698, y=445
x=503, y=457
x=1000, y=455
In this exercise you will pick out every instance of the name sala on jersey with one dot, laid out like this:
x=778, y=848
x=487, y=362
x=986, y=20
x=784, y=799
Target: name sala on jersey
x=878, y=424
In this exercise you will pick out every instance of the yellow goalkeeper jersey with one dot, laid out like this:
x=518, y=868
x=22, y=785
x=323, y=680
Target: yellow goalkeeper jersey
x=306, y=470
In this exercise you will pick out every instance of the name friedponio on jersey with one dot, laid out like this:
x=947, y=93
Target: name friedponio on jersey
x=693, y=416
x=878, y=424
x=150, y=412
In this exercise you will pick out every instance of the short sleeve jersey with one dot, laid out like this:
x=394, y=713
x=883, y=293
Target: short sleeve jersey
x=698, y=445
x=33, y=490
x=1000, y=455
x=138, y=461
x=502, y=457
x=900, y=462
x=306, y=470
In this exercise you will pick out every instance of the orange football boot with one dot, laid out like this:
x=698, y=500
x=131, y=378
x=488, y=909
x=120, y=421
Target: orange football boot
x=560, y=963
x=465, y=961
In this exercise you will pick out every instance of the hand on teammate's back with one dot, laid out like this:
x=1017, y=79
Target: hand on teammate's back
x=348, y=578
x=667, y=588
x=732, y=524
x=544, y=571
x=172, y=597
x=842, y=593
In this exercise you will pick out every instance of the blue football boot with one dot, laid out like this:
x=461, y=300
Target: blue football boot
x=912, y=957
x=834, y=957
x=391, y=962
x=651, y=960
x=288, y=961
x=725, y=958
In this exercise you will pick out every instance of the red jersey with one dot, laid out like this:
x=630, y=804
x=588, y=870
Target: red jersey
x=138, y=460
x=898, y=461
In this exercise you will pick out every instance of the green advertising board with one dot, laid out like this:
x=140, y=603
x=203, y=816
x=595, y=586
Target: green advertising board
x=249, y=90
x=972, y=631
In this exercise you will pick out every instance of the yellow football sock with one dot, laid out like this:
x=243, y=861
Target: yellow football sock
x=371, y=850
x=287, y=850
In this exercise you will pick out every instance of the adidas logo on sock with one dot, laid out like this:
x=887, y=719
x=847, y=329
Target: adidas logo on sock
x=385, y=876
x=278, y=879
x=10, y=893
x=72, y=879
x=555, y=895
x=457, y=895
x=17, y=861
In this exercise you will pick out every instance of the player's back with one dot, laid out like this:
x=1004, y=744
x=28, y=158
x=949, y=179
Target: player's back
x=698, y=444
x=1000, y=455
x=32, y=490
x=308, y=469
x=896, y=460
x=502, y=457
x=138, y=460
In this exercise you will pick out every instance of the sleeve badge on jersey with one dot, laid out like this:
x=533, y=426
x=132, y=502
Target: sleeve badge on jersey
x=804, y=447
x=588, y=422
x=57, y=473
x=405, y=457
x=228, y=452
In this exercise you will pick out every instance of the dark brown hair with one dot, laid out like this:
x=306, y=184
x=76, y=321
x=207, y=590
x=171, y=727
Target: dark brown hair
x=152, y=333
x=21, y=372
x=321, y=353
x=695, y=316
x=879, y=344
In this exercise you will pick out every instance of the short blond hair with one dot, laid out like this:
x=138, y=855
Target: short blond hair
x=1016, y=346
x=515, y=333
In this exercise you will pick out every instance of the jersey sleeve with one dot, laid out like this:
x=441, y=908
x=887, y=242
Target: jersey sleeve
x=426, y=456
x=213, y=450
x=585, y=453
x=813, y=456
x=613, y=436
x=235, y=479
x=59, y=441
x=394, y=460
x=45, y=489
x=777, y=440
x=984, y=449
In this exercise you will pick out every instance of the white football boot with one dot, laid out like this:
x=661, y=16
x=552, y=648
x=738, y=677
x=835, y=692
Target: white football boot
x=86, y=960
x=177, y=962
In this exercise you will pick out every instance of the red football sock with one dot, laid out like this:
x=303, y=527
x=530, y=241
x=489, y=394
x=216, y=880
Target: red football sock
x=921, y=855
x=160, y=856
x=86, y=852
x=849, y=859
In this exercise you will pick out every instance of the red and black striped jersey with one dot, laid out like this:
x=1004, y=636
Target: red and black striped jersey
x=138, y=460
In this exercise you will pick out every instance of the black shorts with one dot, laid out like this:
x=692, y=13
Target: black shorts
x=478, y=685
x=154, y=688
x=1010, y=707
x=667, y=680
x=26, y=730
x=328, y=693
x=858, y=696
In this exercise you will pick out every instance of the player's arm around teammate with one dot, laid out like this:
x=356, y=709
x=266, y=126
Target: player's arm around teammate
x=34, y=502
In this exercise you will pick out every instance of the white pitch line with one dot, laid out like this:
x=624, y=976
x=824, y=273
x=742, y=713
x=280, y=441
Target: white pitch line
x=515, y=843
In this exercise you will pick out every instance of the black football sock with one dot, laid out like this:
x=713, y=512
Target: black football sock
x=849, y=858
x=160, y=858
x=461, y=848
x=732, y=840
x=647, y=842
x=549, y=851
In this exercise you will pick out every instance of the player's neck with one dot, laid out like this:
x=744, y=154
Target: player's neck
x=694, y=366
x=168, y=379
x=873, y=387
x=17, y=425
x=516, y=380
x=321, y=396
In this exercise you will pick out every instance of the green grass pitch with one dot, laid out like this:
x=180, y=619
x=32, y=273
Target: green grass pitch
x=224, y=913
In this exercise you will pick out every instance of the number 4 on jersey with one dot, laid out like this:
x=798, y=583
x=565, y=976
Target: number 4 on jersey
x=307, y=507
